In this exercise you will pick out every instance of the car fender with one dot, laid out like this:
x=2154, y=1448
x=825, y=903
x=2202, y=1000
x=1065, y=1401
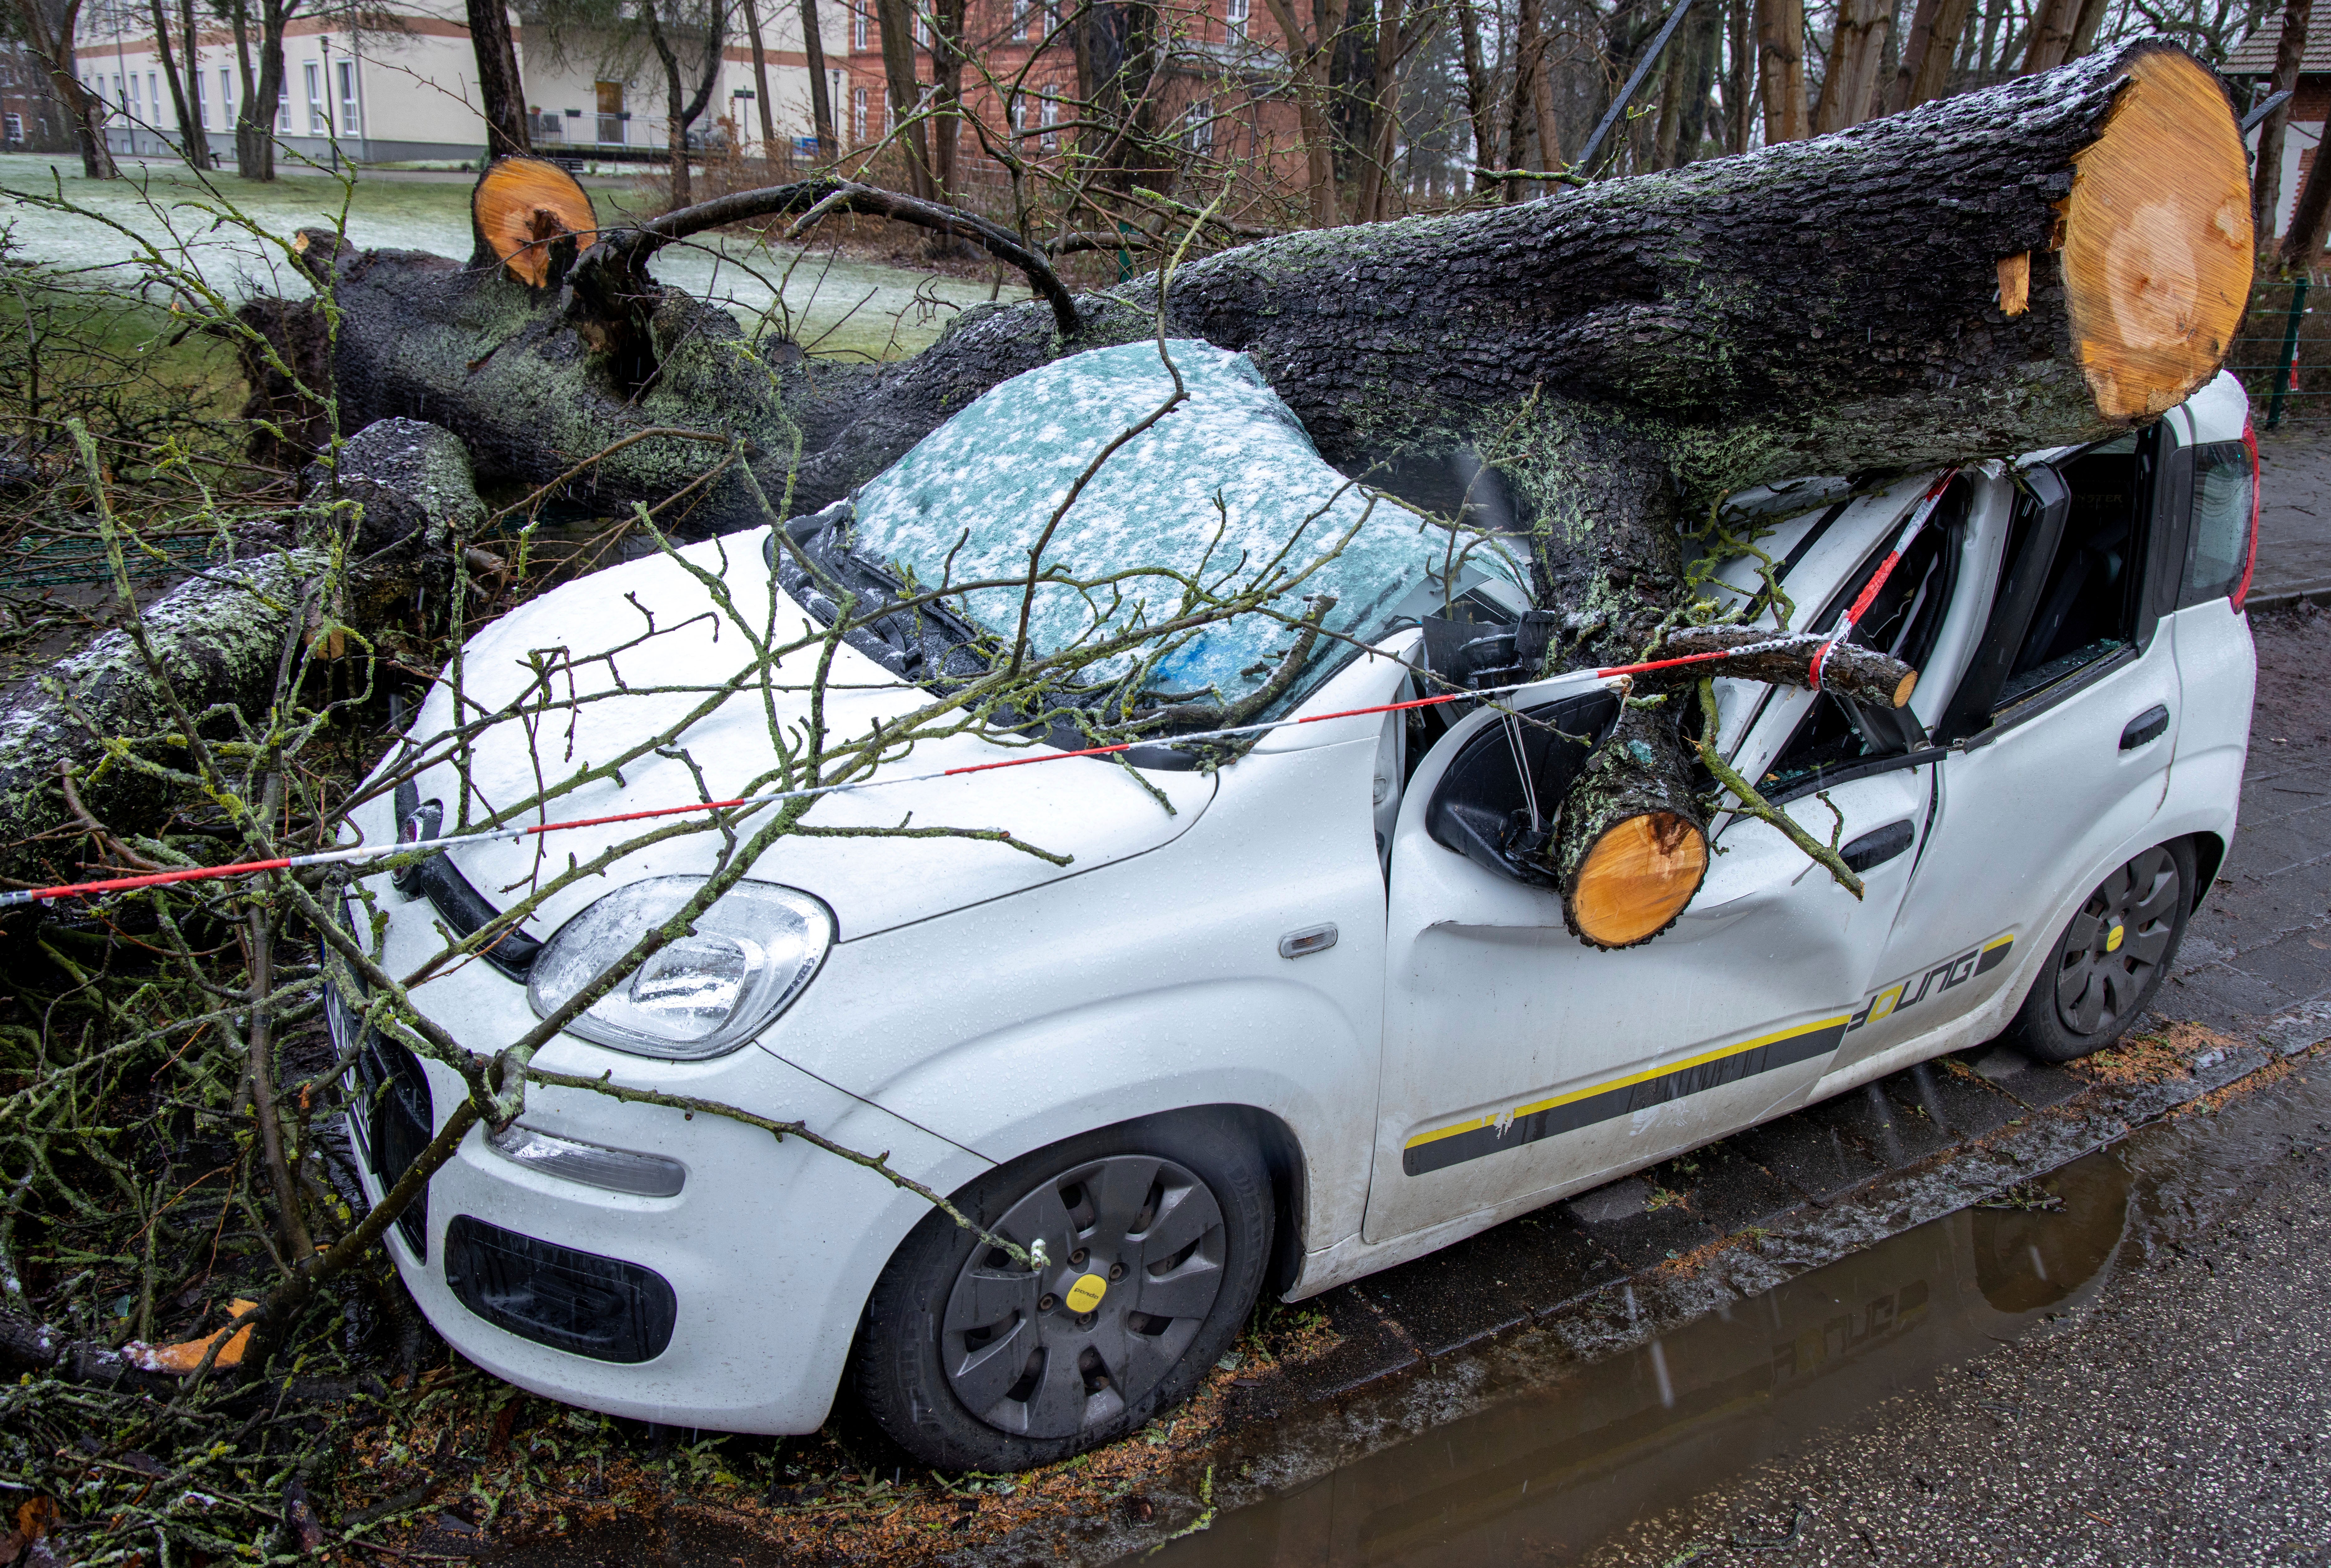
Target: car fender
x=1256, y=1043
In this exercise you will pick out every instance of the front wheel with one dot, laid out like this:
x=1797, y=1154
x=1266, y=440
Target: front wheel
x=1156, y=1234
x=2110, y=960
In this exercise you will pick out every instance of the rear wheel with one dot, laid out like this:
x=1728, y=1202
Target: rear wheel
x=1156, y=1234
x=2110, y=960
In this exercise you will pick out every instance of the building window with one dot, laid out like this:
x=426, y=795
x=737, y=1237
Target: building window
x=1234, y=17
x=283, y=106
x=1198, y=127
x=858, y=115
x=154, y=93
x=858, y=27
x=1048, y=116
x=1015, y=109
x=313, y=74
x=348, y=70
x=226, y=99
x=923, y=29
x=1023, y=14
x=611, y=113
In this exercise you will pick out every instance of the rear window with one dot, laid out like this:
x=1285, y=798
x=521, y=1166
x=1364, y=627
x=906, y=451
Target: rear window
x=2220, y=536
x=1226, y=491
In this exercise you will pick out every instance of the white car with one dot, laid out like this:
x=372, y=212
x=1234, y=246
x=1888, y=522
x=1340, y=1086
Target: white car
x=1312, y=1024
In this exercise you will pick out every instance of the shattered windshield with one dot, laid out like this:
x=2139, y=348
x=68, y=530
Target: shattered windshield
x=1222, y=497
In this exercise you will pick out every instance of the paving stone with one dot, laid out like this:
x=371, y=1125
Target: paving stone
x=1368, y=1346
x=1537, y=1263
x=1814, y=1158
x=2219, y=996
x=1728, y=1190
x=1653, y=1235
x=2298, y=966
x=1886, y=1128
x=1961, y=1107
x=2036, y=1084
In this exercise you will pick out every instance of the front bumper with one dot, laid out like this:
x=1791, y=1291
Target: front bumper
x=730, y=1306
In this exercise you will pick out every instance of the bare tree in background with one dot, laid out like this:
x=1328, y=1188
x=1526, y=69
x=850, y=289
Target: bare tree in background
x=501, y=92
x=681, y=107
x=49, y=27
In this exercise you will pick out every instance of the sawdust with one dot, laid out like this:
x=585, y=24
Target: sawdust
x=2161, y=1057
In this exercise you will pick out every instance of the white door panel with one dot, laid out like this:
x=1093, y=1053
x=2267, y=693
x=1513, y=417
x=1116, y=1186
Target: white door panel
x=2024, y=823
x=1519, y=1061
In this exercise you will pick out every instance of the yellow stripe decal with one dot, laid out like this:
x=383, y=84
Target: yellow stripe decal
x=1506, y=1124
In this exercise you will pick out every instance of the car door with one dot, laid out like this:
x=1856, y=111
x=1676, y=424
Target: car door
x=1520, y=1063
x=2058, y=740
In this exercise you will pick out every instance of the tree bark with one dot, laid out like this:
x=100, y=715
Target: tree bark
x=2053, y=24
x=1624, y=355
x=1740, y=81
x=896, y=20
x=501, y=92
x=1480, y=98
x=53, y=46
x=1313, y=61
x=948, y=61
x=254, y=127
x=1781, y=66
x=190, y=133
x=2289, y=49
x=769, y=149
x=2310, y=220
x=1927, y=64
x=1855, y=50
x=821, y=97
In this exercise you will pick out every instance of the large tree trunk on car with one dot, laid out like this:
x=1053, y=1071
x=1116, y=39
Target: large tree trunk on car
x=2042, y=262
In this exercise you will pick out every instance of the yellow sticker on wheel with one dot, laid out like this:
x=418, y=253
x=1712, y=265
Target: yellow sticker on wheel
x=2112, y=938
x=1086, y=1293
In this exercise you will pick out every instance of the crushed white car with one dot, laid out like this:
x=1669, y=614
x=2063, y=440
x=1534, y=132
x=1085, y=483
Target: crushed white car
x=1278, y=1023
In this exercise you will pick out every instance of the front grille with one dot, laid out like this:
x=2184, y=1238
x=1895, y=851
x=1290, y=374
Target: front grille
x=390, y=1118
x=602, y=1307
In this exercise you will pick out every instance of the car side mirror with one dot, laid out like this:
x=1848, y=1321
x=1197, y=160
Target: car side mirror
x=1480, y=808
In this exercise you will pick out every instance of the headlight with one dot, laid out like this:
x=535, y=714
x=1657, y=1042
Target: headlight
x=704, y=995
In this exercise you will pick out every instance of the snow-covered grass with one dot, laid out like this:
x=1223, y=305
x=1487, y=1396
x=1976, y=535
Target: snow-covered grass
x=832, y=304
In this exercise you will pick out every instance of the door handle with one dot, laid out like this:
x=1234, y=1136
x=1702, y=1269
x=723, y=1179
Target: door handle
x=1877, y=846
x=2146, y=727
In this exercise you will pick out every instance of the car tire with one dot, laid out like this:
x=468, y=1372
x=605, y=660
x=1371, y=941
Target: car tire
x=2103, y=970
x=1157, y=1234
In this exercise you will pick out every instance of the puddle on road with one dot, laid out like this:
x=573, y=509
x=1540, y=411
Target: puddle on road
x=1547, y=1476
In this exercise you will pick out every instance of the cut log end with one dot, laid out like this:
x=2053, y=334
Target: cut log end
x=2157, y=239
x=523, y=204
x=1637, y=878
x=1909, y=684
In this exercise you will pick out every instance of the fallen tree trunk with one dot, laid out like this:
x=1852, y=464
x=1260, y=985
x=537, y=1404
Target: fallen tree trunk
x=89, y=758
x=2043, y=263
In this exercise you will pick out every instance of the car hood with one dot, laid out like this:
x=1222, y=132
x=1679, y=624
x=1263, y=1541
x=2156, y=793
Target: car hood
x=641, y=642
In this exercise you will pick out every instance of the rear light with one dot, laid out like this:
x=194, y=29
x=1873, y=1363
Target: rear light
x=2249, y=550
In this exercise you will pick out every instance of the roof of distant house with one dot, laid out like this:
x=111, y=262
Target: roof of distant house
x=2254, y=56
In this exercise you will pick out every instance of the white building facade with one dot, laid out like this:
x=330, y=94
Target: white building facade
x=408, y=93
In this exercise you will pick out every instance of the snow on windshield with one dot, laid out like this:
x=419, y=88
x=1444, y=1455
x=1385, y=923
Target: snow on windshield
x=1222, y=487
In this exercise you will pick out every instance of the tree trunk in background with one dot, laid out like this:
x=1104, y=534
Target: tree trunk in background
x=501, y=92
x=1525, y=126
x=675, y=124
x=2053, y=24
x=820, y=94
x=53, y=46
x=1855, y=49
x=1313, y=59
x=1702, y=42
x=947, y=21
x=254, y=128
x=896, y=20
x=1935, y=28
x=1740, y=79
x=2266, y=185
x=1985, y=61
x=1395, y=41
x=771, y=151
x=1780, y=66
x=193, y=81
x=1673, y=74
x=2310, y=223
x=190, y=133
x=2084, y=31
x=1480, y=98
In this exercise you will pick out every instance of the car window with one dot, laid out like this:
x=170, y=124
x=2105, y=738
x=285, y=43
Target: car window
x=1904, y=619
x=2218, y=542
x=2071, y=588
x=1226, y=490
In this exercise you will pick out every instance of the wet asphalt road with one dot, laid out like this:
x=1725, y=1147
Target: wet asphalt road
x=2181, y=1415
